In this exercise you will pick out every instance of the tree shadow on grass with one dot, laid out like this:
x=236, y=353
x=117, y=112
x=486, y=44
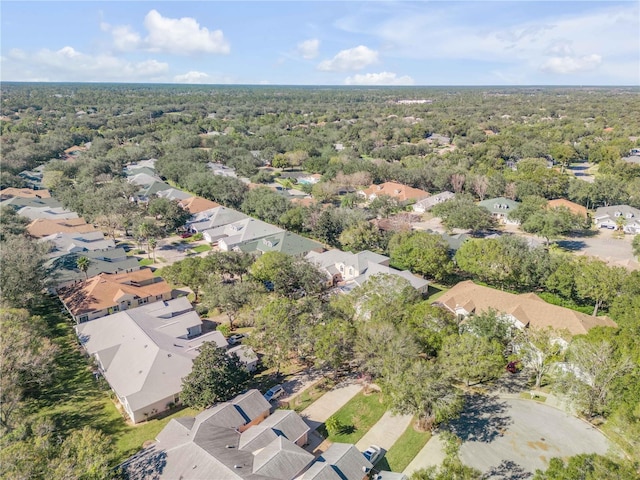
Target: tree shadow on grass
x=507, y=470
x=484, y=418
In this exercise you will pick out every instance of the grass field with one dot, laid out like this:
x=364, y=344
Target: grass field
x=404, y=450
x=358, y=415
x=202, y=248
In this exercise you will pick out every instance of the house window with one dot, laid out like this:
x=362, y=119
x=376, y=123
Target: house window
x=84, y=318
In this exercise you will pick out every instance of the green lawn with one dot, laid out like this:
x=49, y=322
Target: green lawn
x=360, y=414
x=404, y=450
x=76, y=399
x=310, y=395
x=202, y=248
x=145, y=262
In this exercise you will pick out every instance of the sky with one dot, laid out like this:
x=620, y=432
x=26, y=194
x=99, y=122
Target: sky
x=322, y=42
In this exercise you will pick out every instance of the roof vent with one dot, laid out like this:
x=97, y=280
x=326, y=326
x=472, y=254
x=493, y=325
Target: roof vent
x=229, y=446
x=237, y=466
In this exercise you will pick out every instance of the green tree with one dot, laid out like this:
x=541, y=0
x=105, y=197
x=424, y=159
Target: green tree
x=26, y=361
x=169, y=213
x=423, y=253
x=383, y=297
x=362, y=236
x=540, y=349
x=83, y=265
x=215, y=377
x=429, y=326
x=21, y=270
x=192, y=272
x=383, y=206
x=587, y=466
x=471, y=358
x=425, y=390
x=286, y=275
x=11, y=223
x=552, y=223
x=334, y=342
x=598, y=282
x=635, y=244
x=530, y=206
x=462, y=212
x=264, y=203
x=230, y=297
x=85, y=454
x=492, y=325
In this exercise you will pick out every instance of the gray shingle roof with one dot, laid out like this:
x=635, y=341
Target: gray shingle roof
x=341, y=461
x=281, y=459
x=64, y=269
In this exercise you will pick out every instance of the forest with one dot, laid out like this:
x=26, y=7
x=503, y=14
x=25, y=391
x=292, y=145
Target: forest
x=478, y=142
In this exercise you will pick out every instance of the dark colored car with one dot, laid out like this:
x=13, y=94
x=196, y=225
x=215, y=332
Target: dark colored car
x=186, y=235
x=513, y=367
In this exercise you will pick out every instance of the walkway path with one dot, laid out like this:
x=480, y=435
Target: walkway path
x=385, y=433
x=432, y=454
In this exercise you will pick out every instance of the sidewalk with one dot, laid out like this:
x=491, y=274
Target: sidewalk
x=319, y=411
x=385, y=433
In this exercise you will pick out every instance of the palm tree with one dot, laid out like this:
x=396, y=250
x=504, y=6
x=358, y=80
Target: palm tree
x=153, y=243
x=83, y=265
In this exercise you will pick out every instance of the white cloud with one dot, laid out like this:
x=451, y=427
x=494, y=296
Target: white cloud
x=382, y=78
x=70, y=65
x=309, y=48
x=192, y=77
x=350, y=60
x=124, y=38
x=182, y=36
x=571, y=64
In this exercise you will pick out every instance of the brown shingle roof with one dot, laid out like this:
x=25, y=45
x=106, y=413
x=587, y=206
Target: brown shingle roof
x=573, y=207
x=43, y=227
x=198, y=204
x=527, y=308
x=396, y=190
x=11, y=192
x=106, y=290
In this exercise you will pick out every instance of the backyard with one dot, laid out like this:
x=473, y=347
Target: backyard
x=356, y=418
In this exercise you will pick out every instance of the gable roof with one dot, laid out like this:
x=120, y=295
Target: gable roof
x=281, y=422
x=574, y=208
x=63, y=243
x=240, y=232
x=173, y=194
x=107, y=290
x=284, y=241
x=395, y=190
x=427, y=203
x=214, y=217
x=11, y=192
x=53, y=213
x=528, y=308
x=143, y=360
x=341, y=461
x=42, y=227
x=206, y=446
x=500, y=205
x=197, y=204
x=21, y=202
x=64, y=268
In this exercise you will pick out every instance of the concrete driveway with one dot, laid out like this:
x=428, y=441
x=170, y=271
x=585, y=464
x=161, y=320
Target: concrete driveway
x=508, y=438
x=319, y=411
x=385, y=432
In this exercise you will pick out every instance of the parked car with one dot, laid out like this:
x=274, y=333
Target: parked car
x=513, y=367
x=273, y=393
x=186, y=235
x=235, y=339
x=373, y=454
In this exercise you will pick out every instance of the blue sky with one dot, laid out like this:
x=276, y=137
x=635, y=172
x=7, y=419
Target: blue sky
x=323, y=42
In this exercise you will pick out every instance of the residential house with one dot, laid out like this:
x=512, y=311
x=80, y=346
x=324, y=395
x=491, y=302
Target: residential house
x=618, y=215
x=107, y=293
x=149, y=164
x=524, y=310
x=11, y=192
x=43, y=227
x=228, y=237
x=402, y=193
x=147, y=192
x=350, y=270
x=213, y=218
x=197, y=204
x=232, y=440
x=285, y=242
x=18, y=203
x=144, y=179
x=341, y=461
x=62, y=270
x=500, y=208
x=428, y=203
x=245, y=354
x=133, y=170
x=174, y=194
x=52, y=213
x=573, y=207
x=222, y=170
x=64, y=243
x=145, y=352
x=33, y=178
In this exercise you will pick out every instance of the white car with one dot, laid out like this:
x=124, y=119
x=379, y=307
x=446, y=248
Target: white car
x=273, y=393
x=373, y=454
